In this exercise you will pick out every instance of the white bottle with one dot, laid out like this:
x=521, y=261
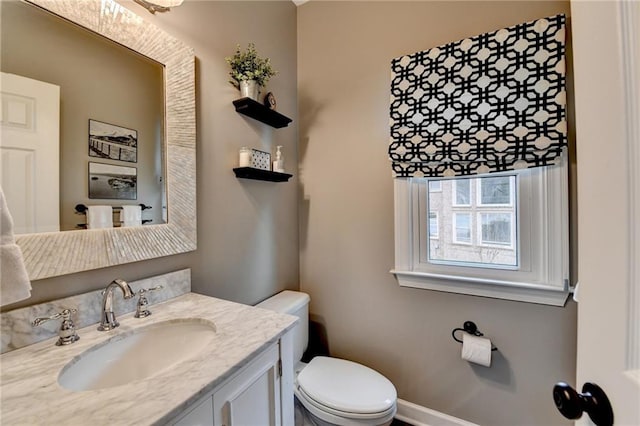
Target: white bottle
x=278, y=163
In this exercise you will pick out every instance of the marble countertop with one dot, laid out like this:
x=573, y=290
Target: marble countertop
x=30, y=393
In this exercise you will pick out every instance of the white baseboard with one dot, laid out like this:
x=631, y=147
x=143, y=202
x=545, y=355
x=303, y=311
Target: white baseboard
x=417, y=415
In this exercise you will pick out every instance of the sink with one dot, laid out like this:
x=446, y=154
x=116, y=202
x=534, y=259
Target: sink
x=138, y=354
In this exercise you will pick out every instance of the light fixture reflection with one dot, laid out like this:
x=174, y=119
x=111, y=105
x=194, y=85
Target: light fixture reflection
x=154, y=6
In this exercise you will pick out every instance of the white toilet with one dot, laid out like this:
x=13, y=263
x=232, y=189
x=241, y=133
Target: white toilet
x=332, y=391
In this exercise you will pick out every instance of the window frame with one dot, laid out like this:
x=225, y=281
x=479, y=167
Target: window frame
x=542, y=274
x=423, y=255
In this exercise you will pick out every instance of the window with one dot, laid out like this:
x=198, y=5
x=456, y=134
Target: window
x=495, y=191
x=462, y=192
x=435, y=186
x=462, y=228
x=503, y=236
x=482, y=234
x=433, y=225
x=496, y=229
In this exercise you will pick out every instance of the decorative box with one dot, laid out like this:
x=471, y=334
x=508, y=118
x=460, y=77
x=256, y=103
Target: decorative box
x=260, y=159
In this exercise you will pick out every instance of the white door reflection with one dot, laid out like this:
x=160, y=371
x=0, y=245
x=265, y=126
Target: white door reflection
x=29, y=152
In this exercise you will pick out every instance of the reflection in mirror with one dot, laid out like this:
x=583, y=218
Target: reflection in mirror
x=103, y=100
x=49, y=254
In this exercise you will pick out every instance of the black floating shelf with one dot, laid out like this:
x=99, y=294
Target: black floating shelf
x=257, y=111
x=259, y=174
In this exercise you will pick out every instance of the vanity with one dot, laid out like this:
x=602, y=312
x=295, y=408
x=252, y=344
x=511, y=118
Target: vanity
x=242, y=375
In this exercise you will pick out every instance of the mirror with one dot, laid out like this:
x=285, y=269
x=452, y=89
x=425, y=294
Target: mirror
x=108, y=103
x=58, y=253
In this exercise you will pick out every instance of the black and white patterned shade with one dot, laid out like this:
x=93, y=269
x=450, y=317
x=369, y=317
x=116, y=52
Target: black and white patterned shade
x=491, y=103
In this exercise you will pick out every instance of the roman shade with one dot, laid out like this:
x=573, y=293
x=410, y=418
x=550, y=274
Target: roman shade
x=490, y=103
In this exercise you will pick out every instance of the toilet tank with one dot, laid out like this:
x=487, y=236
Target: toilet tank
x=297, y=304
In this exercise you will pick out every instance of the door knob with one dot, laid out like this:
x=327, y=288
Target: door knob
x=593, y=400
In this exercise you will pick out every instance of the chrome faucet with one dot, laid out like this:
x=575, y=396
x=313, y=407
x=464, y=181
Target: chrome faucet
x=109, y=321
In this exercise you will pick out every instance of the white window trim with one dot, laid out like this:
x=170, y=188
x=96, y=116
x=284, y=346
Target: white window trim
x=479, y=202
x=549, y=284
x=454, y=224
x=493, y=244
x=454, y=195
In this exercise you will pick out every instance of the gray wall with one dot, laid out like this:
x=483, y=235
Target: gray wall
x=248, y=240
x=346, y=222
x=98, y=80
x=247, y=230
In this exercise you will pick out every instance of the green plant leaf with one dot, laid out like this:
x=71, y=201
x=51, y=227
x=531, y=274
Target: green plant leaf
x=247, y=65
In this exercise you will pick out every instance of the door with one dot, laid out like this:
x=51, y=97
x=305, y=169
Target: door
x=606, y=49
x=29, y=152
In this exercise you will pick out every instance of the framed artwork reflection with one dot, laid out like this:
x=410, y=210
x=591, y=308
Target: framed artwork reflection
x=108, y=181
x=112, y=142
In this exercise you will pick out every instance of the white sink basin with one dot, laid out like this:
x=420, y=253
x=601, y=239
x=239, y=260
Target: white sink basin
x=139, y=354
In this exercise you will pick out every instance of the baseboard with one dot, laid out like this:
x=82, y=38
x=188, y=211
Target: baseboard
x=417, y=415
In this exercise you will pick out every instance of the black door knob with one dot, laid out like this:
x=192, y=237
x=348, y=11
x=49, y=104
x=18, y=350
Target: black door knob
x=593, y=400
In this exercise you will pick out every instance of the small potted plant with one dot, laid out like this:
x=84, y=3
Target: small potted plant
x=249, y=72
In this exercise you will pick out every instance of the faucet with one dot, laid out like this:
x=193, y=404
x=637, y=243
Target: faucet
x=109, y=321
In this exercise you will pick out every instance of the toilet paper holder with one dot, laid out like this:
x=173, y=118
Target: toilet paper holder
x=471, y=328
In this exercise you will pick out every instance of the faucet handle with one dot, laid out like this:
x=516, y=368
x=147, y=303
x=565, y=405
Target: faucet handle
x=145, y=290
x=143, y=303
x=67, y=332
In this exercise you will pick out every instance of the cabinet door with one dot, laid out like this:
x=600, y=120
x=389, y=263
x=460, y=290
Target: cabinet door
x=252, y=398
x=200, y=415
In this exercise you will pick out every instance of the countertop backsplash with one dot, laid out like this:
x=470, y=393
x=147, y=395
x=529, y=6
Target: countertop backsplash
x=15, y=326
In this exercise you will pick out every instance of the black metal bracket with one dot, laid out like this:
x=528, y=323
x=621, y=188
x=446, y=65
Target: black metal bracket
x=82, y=209
x=471, y=328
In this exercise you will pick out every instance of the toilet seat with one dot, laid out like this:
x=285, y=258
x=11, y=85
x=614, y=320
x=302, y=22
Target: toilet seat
x=319, y=409
x=338, y=390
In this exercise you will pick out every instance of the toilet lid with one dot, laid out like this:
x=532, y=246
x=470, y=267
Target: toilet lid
x=346, y=386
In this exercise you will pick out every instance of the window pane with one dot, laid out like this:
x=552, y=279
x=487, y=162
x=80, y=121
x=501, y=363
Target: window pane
x=496, y=228
x=463, y=192
x=435, y=186
x=496, y=190
x=478, y=230
x=463, y=227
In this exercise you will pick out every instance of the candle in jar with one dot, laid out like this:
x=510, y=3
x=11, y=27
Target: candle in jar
x=245, y=157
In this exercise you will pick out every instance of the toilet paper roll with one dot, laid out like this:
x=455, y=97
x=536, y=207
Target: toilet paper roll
x=476, y=349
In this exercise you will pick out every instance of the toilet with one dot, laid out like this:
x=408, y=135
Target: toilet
x=332, y=391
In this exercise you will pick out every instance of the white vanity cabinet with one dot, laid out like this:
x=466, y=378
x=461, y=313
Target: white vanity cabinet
x=258, y=394
x=234, y=379
x=253, y=396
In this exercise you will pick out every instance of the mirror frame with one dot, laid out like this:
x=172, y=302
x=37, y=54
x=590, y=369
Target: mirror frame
x=59, y=253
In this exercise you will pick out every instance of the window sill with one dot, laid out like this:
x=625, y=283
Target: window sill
x=521, y=292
